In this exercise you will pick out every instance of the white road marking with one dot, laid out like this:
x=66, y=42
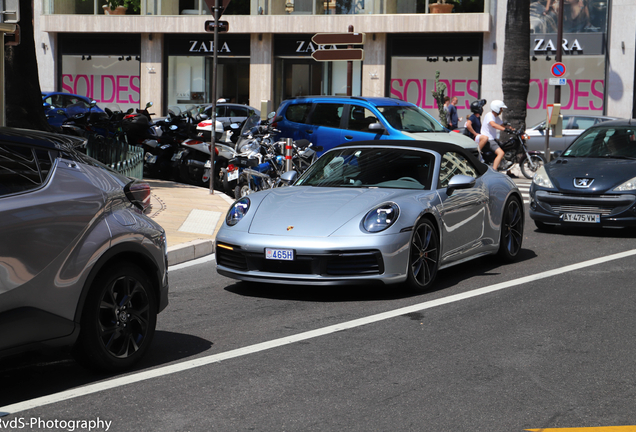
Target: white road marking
x=215, y=358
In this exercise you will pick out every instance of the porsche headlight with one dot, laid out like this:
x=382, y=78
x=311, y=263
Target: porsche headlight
x=541, y=178
x=381, y=217
x=629, y=185
x=237, y=211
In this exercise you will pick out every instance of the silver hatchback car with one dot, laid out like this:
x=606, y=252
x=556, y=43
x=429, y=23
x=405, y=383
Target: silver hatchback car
x=80, y=264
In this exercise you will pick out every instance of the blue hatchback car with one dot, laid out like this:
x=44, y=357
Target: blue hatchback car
x=331, y=120
x=54, y=102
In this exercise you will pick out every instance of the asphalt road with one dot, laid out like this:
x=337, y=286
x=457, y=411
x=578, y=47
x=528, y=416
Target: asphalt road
x=546, y=342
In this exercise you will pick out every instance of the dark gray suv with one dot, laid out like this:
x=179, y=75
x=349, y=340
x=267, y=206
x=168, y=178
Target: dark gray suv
x=80, y=264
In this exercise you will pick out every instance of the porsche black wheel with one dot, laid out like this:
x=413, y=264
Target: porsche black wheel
x=511, y=236
x=118, y=320
x=423, y=256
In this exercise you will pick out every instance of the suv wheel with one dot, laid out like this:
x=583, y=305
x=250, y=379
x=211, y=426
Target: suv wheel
x=118, y=320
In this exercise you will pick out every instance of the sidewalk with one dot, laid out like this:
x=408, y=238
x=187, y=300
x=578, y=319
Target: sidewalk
x=190, y=215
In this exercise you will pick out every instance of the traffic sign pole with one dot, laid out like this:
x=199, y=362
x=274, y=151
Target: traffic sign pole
x=557, y=89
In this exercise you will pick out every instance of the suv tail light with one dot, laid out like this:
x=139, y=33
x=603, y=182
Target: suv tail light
x=138, y=193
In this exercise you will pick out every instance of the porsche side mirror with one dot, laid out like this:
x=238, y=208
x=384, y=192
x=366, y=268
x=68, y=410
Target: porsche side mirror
x=289, y=177
x=460, y=181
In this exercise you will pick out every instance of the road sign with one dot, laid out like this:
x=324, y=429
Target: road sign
x=558, y=81
x=224, y=26
x=350, y=54
x=338, y=38
x=558, y=69
x=223, y=6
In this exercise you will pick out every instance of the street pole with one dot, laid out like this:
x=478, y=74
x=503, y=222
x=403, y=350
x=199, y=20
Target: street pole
x=350, y=70
x=215, y=46
x=557, y=89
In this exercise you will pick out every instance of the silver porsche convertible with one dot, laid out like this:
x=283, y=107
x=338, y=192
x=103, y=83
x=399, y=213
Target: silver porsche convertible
x=387, y=211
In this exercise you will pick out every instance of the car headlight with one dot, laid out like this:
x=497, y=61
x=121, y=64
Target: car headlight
x=237, y=211
x=381, y=217
x=541, y=178
x=629, y=185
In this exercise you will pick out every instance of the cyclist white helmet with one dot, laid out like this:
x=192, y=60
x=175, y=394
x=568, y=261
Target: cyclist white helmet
x=497, y=106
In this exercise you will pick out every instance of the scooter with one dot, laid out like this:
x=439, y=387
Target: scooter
x=515, y=151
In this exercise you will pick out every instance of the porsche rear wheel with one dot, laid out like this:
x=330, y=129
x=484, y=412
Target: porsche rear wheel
x=511, y=230
x=423, y=256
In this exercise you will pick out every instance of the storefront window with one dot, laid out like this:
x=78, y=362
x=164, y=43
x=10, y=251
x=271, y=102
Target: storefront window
x=105, y=79
x=190, y=66
x=415, y=59
x=262, y=7
x=298, y=74
x=582, y=53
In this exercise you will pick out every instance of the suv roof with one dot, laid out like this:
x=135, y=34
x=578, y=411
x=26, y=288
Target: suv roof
x=374, y=100
x=40, y=138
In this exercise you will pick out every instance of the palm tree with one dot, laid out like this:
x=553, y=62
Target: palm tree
x=516, y=63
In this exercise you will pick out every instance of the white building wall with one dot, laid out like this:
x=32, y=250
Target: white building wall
x=493, y=52
x=45, y=48
x=621, y=61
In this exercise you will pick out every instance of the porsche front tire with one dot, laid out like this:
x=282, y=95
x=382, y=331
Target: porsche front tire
x=423, y=256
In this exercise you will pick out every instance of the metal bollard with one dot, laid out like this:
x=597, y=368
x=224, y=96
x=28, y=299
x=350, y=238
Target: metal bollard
x=288, y=154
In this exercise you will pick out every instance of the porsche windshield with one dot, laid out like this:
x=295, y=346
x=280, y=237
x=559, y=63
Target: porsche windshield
x=410, y=119
x=371, y=167
x=605, y=142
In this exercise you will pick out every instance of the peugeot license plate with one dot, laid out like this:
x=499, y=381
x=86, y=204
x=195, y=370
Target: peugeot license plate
x=279, y=254
x=232, y=175
x=581, y=217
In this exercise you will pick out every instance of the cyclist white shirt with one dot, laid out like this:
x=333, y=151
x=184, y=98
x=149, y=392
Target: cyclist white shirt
x=487, y=129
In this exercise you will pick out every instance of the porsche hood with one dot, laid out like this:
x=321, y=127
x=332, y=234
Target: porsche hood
x=315, y=212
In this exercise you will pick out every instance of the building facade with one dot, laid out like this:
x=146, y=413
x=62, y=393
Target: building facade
x=162, y=53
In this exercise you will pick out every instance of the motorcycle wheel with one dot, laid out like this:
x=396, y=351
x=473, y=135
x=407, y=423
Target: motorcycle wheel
x=526, y=165
x=242, y=188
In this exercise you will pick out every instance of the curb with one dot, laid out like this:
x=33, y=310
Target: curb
x=189, y=251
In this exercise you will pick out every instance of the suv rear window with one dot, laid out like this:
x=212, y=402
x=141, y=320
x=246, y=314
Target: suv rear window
x=22, y=169
x=298, y=112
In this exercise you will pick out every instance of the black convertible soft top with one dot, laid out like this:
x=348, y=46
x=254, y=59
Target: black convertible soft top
x=436, y=146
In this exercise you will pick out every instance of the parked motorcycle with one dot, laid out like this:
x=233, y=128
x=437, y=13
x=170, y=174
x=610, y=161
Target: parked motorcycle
x=159, y=152
x=515, y=151
x=191, y=163
x=261, y=161
x=253, y=136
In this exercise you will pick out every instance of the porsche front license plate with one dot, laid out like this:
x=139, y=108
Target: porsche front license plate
x=581, y=217
x=279, y=254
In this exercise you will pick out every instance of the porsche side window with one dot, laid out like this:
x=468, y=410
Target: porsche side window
x=18, y=169
x=453, y=164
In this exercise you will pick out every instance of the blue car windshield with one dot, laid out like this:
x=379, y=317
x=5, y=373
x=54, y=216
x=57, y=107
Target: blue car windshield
x=371, y=167
x=605, y=142
x=410, y=119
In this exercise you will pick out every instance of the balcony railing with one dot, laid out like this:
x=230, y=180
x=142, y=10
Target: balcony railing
x=261, y=7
